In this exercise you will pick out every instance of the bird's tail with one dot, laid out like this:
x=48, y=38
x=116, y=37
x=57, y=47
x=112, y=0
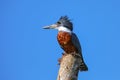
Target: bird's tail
x=83, y=67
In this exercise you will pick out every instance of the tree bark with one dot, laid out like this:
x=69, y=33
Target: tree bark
x=69, y=67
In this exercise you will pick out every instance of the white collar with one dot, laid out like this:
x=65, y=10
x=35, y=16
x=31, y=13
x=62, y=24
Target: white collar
x=62, y=28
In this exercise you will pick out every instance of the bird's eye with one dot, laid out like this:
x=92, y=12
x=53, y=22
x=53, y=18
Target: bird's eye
x=59, y=22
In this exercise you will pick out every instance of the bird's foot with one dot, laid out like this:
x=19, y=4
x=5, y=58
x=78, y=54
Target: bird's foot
x=60, y=59
x=75, y=54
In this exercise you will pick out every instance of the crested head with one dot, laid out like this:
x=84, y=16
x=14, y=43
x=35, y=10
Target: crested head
x=65, y=22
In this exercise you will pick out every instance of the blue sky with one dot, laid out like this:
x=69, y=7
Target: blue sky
x=28, y=52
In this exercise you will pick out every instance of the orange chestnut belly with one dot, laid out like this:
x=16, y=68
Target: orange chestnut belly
x=65, y=42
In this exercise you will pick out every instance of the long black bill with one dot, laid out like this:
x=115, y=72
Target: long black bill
x=53, y=26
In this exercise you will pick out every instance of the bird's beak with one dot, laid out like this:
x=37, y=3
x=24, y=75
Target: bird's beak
x=53, y=26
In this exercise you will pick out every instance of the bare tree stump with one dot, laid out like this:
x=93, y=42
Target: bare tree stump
x=69, y=67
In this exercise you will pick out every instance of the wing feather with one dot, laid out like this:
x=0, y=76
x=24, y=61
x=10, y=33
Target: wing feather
x=76, y=43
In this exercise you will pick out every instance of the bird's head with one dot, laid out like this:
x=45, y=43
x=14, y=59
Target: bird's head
x=63, y=24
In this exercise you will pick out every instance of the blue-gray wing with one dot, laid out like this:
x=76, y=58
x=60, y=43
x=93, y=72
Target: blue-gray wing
x=76, y=43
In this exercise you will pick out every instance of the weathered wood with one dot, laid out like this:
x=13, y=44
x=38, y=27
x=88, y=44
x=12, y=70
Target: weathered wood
x=69, y=67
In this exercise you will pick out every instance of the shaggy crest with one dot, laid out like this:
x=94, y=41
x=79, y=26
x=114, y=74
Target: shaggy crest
x=65, y=21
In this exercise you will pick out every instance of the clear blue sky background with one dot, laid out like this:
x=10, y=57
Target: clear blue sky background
x=28, y=52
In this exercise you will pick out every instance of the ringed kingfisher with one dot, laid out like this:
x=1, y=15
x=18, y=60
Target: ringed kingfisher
x=67, y=39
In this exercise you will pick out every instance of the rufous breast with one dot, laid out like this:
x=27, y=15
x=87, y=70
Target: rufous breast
x=65, y=41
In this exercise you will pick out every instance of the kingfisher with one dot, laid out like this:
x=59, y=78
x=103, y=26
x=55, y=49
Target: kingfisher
x=67, y=39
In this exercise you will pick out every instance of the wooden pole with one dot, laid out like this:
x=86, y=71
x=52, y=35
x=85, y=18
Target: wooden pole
x=69, y=67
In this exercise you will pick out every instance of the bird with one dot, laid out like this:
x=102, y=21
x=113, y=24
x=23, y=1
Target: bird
x=67, y=39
